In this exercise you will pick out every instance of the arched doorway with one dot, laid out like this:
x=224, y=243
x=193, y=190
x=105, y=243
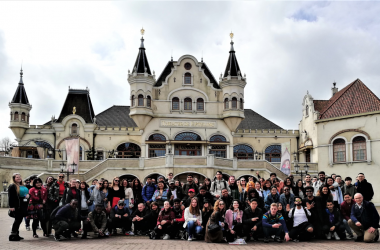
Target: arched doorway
x=246, y=177
x=153, y=176
x=128, y=150
x=187, y=143
x=182, y=177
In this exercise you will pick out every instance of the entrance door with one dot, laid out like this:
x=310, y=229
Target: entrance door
x=188, y=149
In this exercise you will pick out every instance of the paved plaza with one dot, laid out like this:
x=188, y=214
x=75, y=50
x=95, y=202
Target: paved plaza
x=140, y=242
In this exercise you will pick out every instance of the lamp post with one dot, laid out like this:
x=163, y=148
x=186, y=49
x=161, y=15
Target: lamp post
x=209, y=147
x=257, y=155
x=65, y=169
x=169, y=148
x=297, y=168
x=5, y=185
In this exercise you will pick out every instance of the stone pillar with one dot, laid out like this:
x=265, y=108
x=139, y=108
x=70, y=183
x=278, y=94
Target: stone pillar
x=169, y=160
x=210, y=160
x=4, y=199
x=142, y=162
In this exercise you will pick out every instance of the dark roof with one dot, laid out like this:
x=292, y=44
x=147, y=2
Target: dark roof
x=232, y=63
x=255, y=121
x=115, y=116
x=164, y=74
x=210, y=76
x=80, y=99
x=355, y=98
x=319, y=105
x=20, y=95
x=141, y=60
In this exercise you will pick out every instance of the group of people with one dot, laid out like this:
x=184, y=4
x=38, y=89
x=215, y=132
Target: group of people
x=216, y=210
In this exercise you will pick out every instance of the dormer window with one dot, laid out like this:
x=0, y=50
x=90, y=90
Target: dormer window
x=187, y=78
x=141, y=100
x=74, y=129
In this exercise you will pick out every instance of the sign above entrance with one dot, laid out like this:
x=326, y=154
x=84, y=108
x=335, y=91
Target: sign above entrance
x=187, y=124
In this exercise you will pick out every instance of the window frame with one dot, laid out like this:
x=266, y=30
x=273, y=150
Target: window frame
x=187, y=76
x=140, y=97
x=336, y=145
x=175, y=101
x=148, y=101
x=226, y=103
x=234, y=103
x=187, y=101
x=354, y=151
x=200, y=101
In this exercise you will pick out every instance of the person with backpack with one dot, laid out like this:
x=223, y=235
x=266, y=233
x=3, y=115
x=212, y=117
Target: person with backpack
x=120, y=218
x=302, y=229
x=66, y=220
x=218, y=185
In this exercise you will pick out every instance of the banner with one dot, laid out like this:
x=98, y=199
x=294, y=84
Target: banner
x=285, y=158
x=72, y=152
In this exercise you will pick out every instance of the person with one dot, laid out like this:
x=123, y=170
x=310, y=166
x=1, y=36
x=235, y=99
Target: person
x=218, y=184
x=66, y=220
x=203, y=194
x=128, y=198
x=226, y=197
x=287, y=199
x=346, y=208
x=196, y=181
x=313, y=204
x=169, y=178
x=164, y=221
x=175, y=192
x=100, y=193
x=364, y=187
x=267, y=188
x=273, y=197
x=325, y=194
x=302, y=229
x=151, y=217
x=38, y=196
x=252, y=219
x=49, y=205
x=154, y=181
x=56, y=191
x=177, y=183
x=137, y=192
x=259, y=189
x=242, y=189
x=97, y=222
x=279, y=185
x=140, y=226
x=187, y=199
x=193, y=219
x=299, y=189
x=274, y=224
x=235, y=194
x=190, y=185
x=148, y=191
x=216, y=219
x=207, y=210
x=179, y=219
x=308, y=182
x=338, y=182
x=254, y=194
x=115, y=193
x=289, y=183
x=320, y=182
x=348, y=187
x=234, y=221
x=333, y=222
x=314, y=180
x=120, y=218
x=161, y=178
x=207, y=184
x=18, y=196
x=85, y=199
x=333, y=176
x=161, y=194
x=364, y=220
x=250, y=186
x=336, y=192
x=71, y=193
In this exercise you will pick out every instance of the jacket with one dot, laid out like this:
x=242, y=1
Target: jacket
x=269, y=220
x=179, y=215
x=98, y=219
x=317, y=212
x=345, y=208
x=285, y=202
x=340, y=196
x=249, y=214
x=129, y=194
x=217, y=186
x=271, y=199
x=369, y=217
x=317, y=185
x=337, y=218
x=98, y=196
x=169, y=216
x=206, y=196
x=190, y=217
x=351, y=189
x=140, y=213
x=68, y=196
x=38, y=195
x=116, y=211
x=164, y=197
x=365, y=188
x=148, y=191
x=66, y=212
x=53, y=194
x=187, y=186
x=229, y=218
x=14, y=200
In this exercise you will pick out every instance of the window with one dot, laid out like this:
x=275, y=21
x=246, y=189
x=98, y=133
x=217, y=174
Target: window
x=74, y=129
x=128, y=150
x=148, y=102
x=141, y=100
x=307, y=155
x=243, y=152
x=359, y=148
x=218, y=151
x=188, y=66
x=157, y=150
x=307, y=110
x=187, y=78
x=339, y=148
x=187, y=104
x=200, y=104
x=188, y=149
x=157, y=137
x=23, y=116
x=16, y=116
x=187, y=136
x=175, y=103
x=234, y=103
x=99, y=155
x=133, y=100
x=226, y=103
x=241, y=103
x=273, y=153
x=218, y=138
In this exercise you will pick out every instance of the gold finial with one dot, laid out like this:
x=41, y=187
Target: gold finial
x=142, y=31
x=231, y=35
x=74, y=110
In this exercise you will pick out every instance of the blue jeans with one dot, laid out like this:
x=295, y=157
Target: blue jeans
x=192, y=229
x=126, y=203
x=348, y=229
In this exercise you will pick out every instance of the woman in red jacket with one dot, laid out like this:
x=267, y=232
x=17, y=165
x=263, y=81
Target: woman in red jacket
x=164, y=222
x=36, y=211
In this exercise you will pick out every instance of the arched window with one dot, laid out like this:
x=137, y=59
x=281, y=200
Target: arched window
x=241, y=103
x=273, y=153
x=22, y=116
x=187, y=104
x=141, y=100
x=218, y=138
x=133, y=100
x=359, y=148
x=339, y=148
x=128, y=150
x=148, y=102
x=226, y=103
x=200, y=104
x=74, y=129
x=234, y=103
x=157, y=137
x=187, y=136
x=175, y=103
x=243, y=152
x=187, y=78
x=307, y=110
x=16, y=116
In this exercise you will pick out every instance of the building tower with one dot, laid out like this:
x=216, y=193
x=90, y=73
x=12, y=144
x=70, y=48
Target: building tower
x=232, y=84
x=141, y=81
x=20, y=109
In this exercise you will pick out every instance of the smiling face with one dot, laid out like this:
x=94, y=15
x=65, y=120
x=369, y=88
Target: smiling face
x=194, y=203
x=273, y=191
x=325, y=190
x=160, y=185
x=257, y=186
x=166, y=205
x=236, y=205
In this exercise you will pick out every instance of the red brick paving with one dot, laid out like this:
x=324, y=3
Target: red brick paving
x=140, y=242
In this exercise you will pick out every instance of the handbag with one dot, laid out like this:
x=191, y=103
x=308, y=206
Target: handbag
x=212, y=228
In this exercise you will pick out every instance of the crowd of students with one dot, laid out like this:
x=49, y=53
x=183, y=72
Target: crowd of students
x=215, y=211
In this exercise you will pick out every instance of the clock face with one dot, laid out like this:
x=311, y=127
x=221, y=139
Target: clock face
x=187, y=66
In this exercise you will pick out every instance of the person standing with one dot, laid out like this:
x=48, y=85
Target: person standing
x=71, y=193
x=84, y=199
x=218, y=184
x=57, y=190
x=36, y=211
x=128, y=198
x=207, y=184
x=115, y=193
x=190, y=185
x=18, y=196
x=161, y=194
x=320, y=182
x=137, y=192
x=272, y=197
x=336, y=192
x=348, y=187
x=148, y=191
x=364, y=187
x=175, y=192
x=302, y=229
x=50, y=205
x=203, y=194
x=252, y=219
x=287, y=199
x=313, y=204
x=233, y=187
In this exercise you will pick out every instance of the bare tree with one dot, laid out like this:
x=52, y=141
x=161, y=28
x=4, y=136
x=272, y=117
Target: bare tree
x=5, y=144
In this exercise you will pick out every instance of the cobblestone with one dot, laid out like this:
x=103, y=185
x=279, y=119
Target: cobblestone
x=140, y=242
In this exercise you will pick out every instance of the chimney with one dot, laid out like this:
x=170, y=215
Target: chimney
x=334, y=89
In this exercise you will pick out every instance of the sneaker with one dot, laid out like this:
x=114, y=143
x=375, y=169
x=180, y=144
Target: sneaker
x=266, y=240
x=57, y=238
x=278, y=239
x=336, y=236
x=296, y=240
x=328, y=236
x=166, y=237
x=131, y=233
x=190, y=238
x=350, y=237
x=75, y=234
x=27, y=228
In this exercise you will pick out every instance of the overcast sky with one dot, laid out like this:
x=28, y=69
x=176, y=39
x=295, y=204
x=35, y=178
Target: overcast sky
x=284, y=48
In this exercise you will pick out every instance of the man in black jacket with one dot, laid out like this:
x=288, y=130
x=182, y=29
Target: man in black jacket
x=141, y=226
x=334, y=223
x=364, y=220
x=66, y=220
x=364, y=187
x=187, y=199
x=177, y=224
x=120, y=218
x=252, y=218
x=174, y=192
x=190, y=185
x=313, y=204
x=226, y=198
x=204, y=194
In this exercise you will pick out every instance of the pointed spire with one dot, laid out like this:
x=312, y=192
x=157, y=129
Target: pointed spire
x=232, y=68
x=21, y=74
x=20, y=95
x=141, y=64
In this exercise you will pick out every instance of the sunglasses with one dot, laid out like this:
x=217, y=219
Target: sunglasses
x=122, y=205
x=116, y=180
x=221, y=204
x=61, y=176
